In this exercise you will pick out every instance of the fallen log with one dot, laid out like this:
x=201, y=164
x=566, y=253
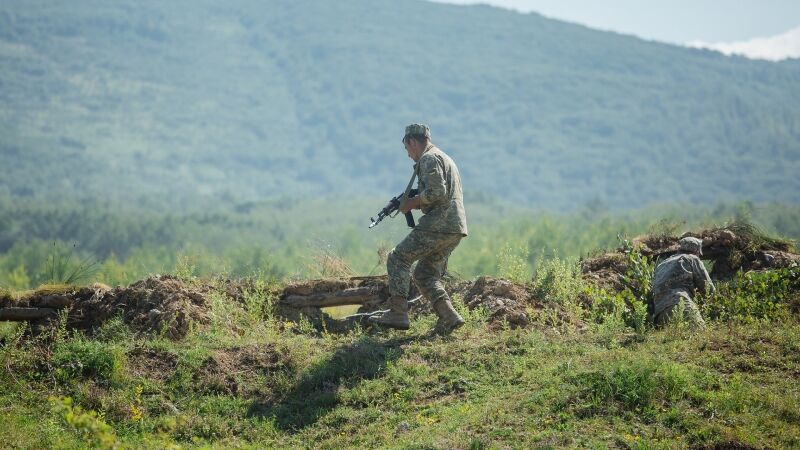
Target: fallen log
x=54, y=301
x=25, y=314
x=352, y=296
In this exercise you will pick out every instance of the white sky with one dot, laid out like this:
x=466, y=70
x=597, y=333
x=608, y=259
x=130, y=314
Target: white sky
x=730, y=23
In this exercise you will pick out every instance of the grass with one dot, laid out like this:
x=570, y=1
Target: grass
x=250, y=381
x=756, y=238
x=478, y=389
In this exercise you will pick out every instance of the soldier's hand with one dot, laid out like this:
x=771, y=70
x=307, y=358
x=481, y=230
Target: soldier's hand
x=412, y=203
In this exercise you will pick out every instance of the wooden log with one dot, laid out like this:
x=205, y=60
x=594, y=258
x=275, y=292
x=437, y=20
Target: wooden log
x=25, y=314
x=54, y=301
x=352, y=296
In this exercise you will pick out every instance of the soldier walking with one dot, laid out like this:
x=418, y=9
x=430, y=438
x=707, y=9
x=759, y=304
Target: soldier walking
x=676, y=279
x=440, y=229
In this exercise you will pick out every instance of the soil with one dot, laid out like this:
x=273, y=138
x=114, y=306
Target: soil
x=161, y=304
x=734, y=249
x=236, y=371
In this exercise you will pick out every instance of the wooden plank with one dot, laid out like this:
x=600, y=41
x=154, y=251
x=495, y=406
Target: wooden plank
x=352, y=296
x=25, y=314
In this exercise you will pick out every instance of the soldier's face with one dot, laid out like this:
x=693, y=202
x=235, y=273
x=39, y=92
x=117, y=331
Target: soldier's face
x=413, y=148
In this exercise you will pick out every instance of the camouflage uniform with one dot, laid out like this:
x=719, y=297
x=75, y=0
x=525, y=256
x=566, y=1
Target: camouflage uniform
x=438, y=232
x=674, y=281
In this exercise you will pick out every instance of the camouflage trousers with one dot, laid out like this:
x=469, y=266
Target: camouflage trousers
x=432, y=250
x=691, y=314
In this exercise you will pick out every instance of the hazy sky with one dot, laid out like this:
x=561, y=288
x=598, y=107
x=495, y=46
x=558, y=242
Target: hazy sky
x=676, y=21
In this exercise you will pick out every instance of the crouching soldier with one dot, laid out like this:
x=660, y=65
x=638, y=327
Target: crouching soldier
x=675, y=281
x=438, y=232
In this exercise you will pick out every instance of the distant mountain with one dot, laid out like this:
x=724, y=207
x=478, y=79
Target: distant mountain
x=200, y=103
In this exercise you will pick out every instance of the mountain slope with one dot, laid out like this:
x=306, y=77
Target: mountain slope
x=194, y=103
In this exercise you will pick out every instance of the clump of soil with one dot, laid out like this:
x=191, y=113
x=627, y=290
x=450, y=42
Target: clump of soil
x=604, y=271
x=160, y=304
x=733, y=248
x=512, y=303
x=505, y=301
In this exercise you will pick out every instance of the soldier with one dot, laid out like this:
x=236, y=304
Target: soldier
x=676, y=279
x=440, y=229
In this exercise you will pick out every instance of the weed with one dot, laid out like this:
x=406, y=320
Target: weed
x=512, y=263
x=185, y=268
x=639, y=275
x=115, y=330
x=558, y=280
x=326, y=263
x=61, y=269
x=636, y=385
x=755, y=296
x=88, y=424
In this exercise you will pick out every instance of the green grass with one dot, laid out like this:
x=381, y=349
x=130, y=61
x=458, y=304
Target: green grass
x=603, y=379
x=540, y=387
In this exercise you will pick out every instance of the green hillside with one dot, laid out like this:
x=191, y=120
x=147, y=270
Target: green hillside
x=192, y=104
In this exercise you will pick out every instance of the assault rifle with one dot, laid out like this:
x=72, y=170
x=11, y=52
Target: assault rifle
x=394, y=205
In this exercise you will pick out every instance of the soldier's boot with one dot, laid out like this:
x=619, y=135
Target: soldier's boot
x=449, y=319
x=395, y=317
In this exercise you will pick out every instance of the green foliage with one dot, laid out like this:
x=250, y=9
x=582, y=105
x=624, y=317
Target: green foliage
x=280, y=243
x=639, y=275
x=512, y=263
x=79, y=357
x=638, y=385
x=746, y=230
x=558, y=280
x=184, y=268
x=89, y=425
x=755, y=296
x=552, y=93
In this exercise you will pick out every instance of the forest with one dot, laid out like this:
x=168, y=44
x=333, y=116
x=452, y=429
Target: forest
x=181, y=105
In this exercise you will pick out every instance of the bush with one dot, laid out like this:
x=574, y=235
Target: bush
x=754, y=296
x=512, y=264
x=88, y=425
x=558, y=280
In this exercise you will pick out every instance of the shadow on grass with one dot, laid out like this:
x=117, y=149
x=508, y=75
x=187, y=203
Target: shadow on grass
x=315, y=394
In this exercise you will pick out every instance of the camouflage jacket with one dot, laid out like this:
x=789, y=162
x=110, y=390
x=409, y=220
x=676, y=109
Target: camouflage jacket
x=677, y=277
x=440, y=189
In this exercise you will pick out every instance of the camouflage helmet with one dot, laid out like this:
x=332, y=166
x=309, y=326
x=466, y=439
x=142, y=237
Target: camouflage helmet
x=418, y=128
x=691, y=245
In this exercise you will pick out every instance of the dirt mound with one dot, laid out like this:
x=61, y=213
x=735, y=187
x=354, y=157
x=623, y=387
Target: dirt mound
x=604, y=271
x=504, y=300
x=161, y=304
x=512, y=303
x=736, y=247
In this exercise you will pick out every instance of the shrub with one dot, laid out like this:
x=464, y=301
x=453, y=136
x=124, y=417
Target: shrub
x=558, y=280
x=639, y=276
x=512, y=263
x=89, y=425
x=753, y=296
